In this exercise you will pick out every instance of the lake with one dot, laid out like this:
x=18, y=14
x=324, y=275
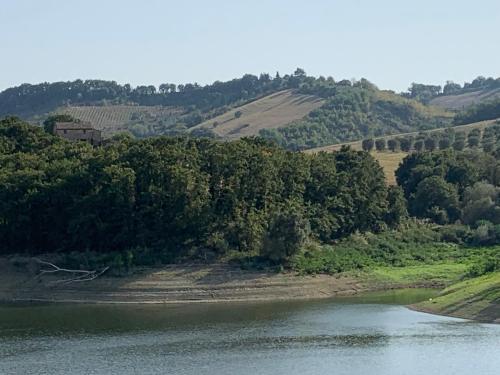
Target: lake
x=372, y=334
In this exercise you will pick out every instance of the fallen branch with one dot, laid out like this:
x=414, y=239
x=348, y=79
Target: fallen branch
x=83, y=275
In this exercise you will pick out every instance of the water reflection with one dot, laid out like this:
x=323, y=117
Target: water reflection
x=347, y=336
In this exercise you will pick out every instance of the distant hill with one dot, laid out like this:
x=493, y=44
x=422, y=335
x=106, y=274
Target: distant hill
x=272, y=111
x=120, y=118
x=389, y=160
x=357, y=111
x=356, y=145
x=296, y=111
x=467, y=99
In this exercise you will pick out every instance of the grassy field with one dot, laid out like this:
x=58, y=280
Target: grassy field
x=477, y=298
x=116, y=118
x=389, y=161
x=431, y=274
x=272, y=111
x=464, y=100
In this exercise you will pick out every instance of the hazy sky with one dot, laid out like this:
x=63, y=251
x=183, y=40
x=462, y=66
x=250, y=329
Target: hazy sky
x=390, y=42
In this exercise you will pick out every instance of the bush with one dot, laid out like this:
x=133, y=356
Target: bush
x=484, y=266
x=458, y=234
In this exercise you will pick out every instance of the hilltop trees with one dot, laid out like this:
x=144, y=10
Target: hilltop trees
x=380, y=144
x=367, y=144
x=392, y=144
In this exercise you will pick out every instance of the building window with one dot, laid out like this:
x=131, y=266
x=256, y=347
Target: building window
x=65, y=131
x=84, y=131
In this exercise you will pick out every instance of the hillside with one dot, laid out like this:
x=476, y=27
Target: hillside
x=477, y=298
x=272, y=111
x=390, y=160
x=118, y=118
x=356, y=111
x=467, y=99
x=356, y=145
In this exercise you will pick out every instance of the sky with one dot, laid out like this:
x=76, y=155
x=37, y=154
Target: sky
x=392, y=43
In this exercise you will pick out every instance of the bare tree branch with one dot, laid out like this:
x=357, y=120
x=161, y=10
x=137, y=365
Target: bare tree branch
x=83, y=275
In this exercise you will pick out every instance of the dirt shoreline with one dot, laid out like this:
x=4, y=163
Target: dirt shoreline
x=183, y=284
x=490, y=319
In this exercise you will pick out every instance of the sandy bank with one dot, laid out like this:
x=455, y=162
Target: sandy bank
x=176, y=284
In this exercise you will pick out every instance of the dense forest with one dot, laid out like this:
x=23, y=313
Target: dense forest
x=172, y=199
x=182, y=197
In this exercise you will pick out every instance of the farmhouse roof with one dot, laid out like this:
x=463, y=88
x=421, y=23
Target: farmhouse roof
x=73, y=126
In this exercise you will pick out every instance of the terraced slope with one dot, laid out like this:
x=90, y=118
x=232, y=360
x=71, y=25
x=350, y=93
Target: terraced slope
x=116, y=118
x=462, y=101
x=272, y=111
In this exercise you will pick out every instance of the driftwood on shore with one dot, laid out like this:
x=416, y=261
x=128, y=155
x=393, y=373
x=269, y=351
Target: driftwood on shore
x=76, y=275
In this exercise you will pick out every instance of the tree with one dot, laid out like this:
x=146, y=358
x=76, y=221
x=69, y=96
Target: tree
x=444, y=143
x=397, y=206
x=473, y=141
x=436, y=199
x=459, y=144
x=430, y=143
x=287, y=234
x=367, y=144
x=479, y=203
x=406, y=144
x=392, y=144
x=451, y=88
x=380, y=144
x=418, y=145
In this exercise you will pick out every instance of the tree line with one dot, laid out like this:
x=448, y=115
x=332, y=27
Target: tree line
x=488, y=140
x=177, y=198
x=459, y=189
x=425, y=93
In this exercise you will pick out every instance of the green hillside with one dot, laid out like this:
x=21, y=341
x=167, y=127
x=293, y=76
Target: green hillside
x=354, y=112
x=272, y=111
x=296, y=111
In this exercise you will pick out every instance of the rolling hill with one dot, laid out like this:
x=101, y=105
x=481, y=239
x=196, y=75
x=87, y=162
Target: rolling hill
x=388, y=160
x=118, y=118
x=464, y=100
x=272, y=111
x=296, y=111
x=356, y=145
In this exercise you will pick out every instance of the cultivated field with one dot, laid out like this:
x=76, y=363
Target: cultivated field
x=272, y=111
x=356, y=145
x=116, y=118
x=464, y=100
x=390, y=160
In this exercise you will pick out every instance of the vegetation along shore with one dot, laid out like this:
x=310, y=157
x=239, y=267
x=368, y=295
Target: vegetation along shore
x=184, y=217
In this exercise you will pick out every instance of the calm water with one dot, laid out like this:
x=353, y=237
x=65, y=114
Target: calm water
x=351, y=336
